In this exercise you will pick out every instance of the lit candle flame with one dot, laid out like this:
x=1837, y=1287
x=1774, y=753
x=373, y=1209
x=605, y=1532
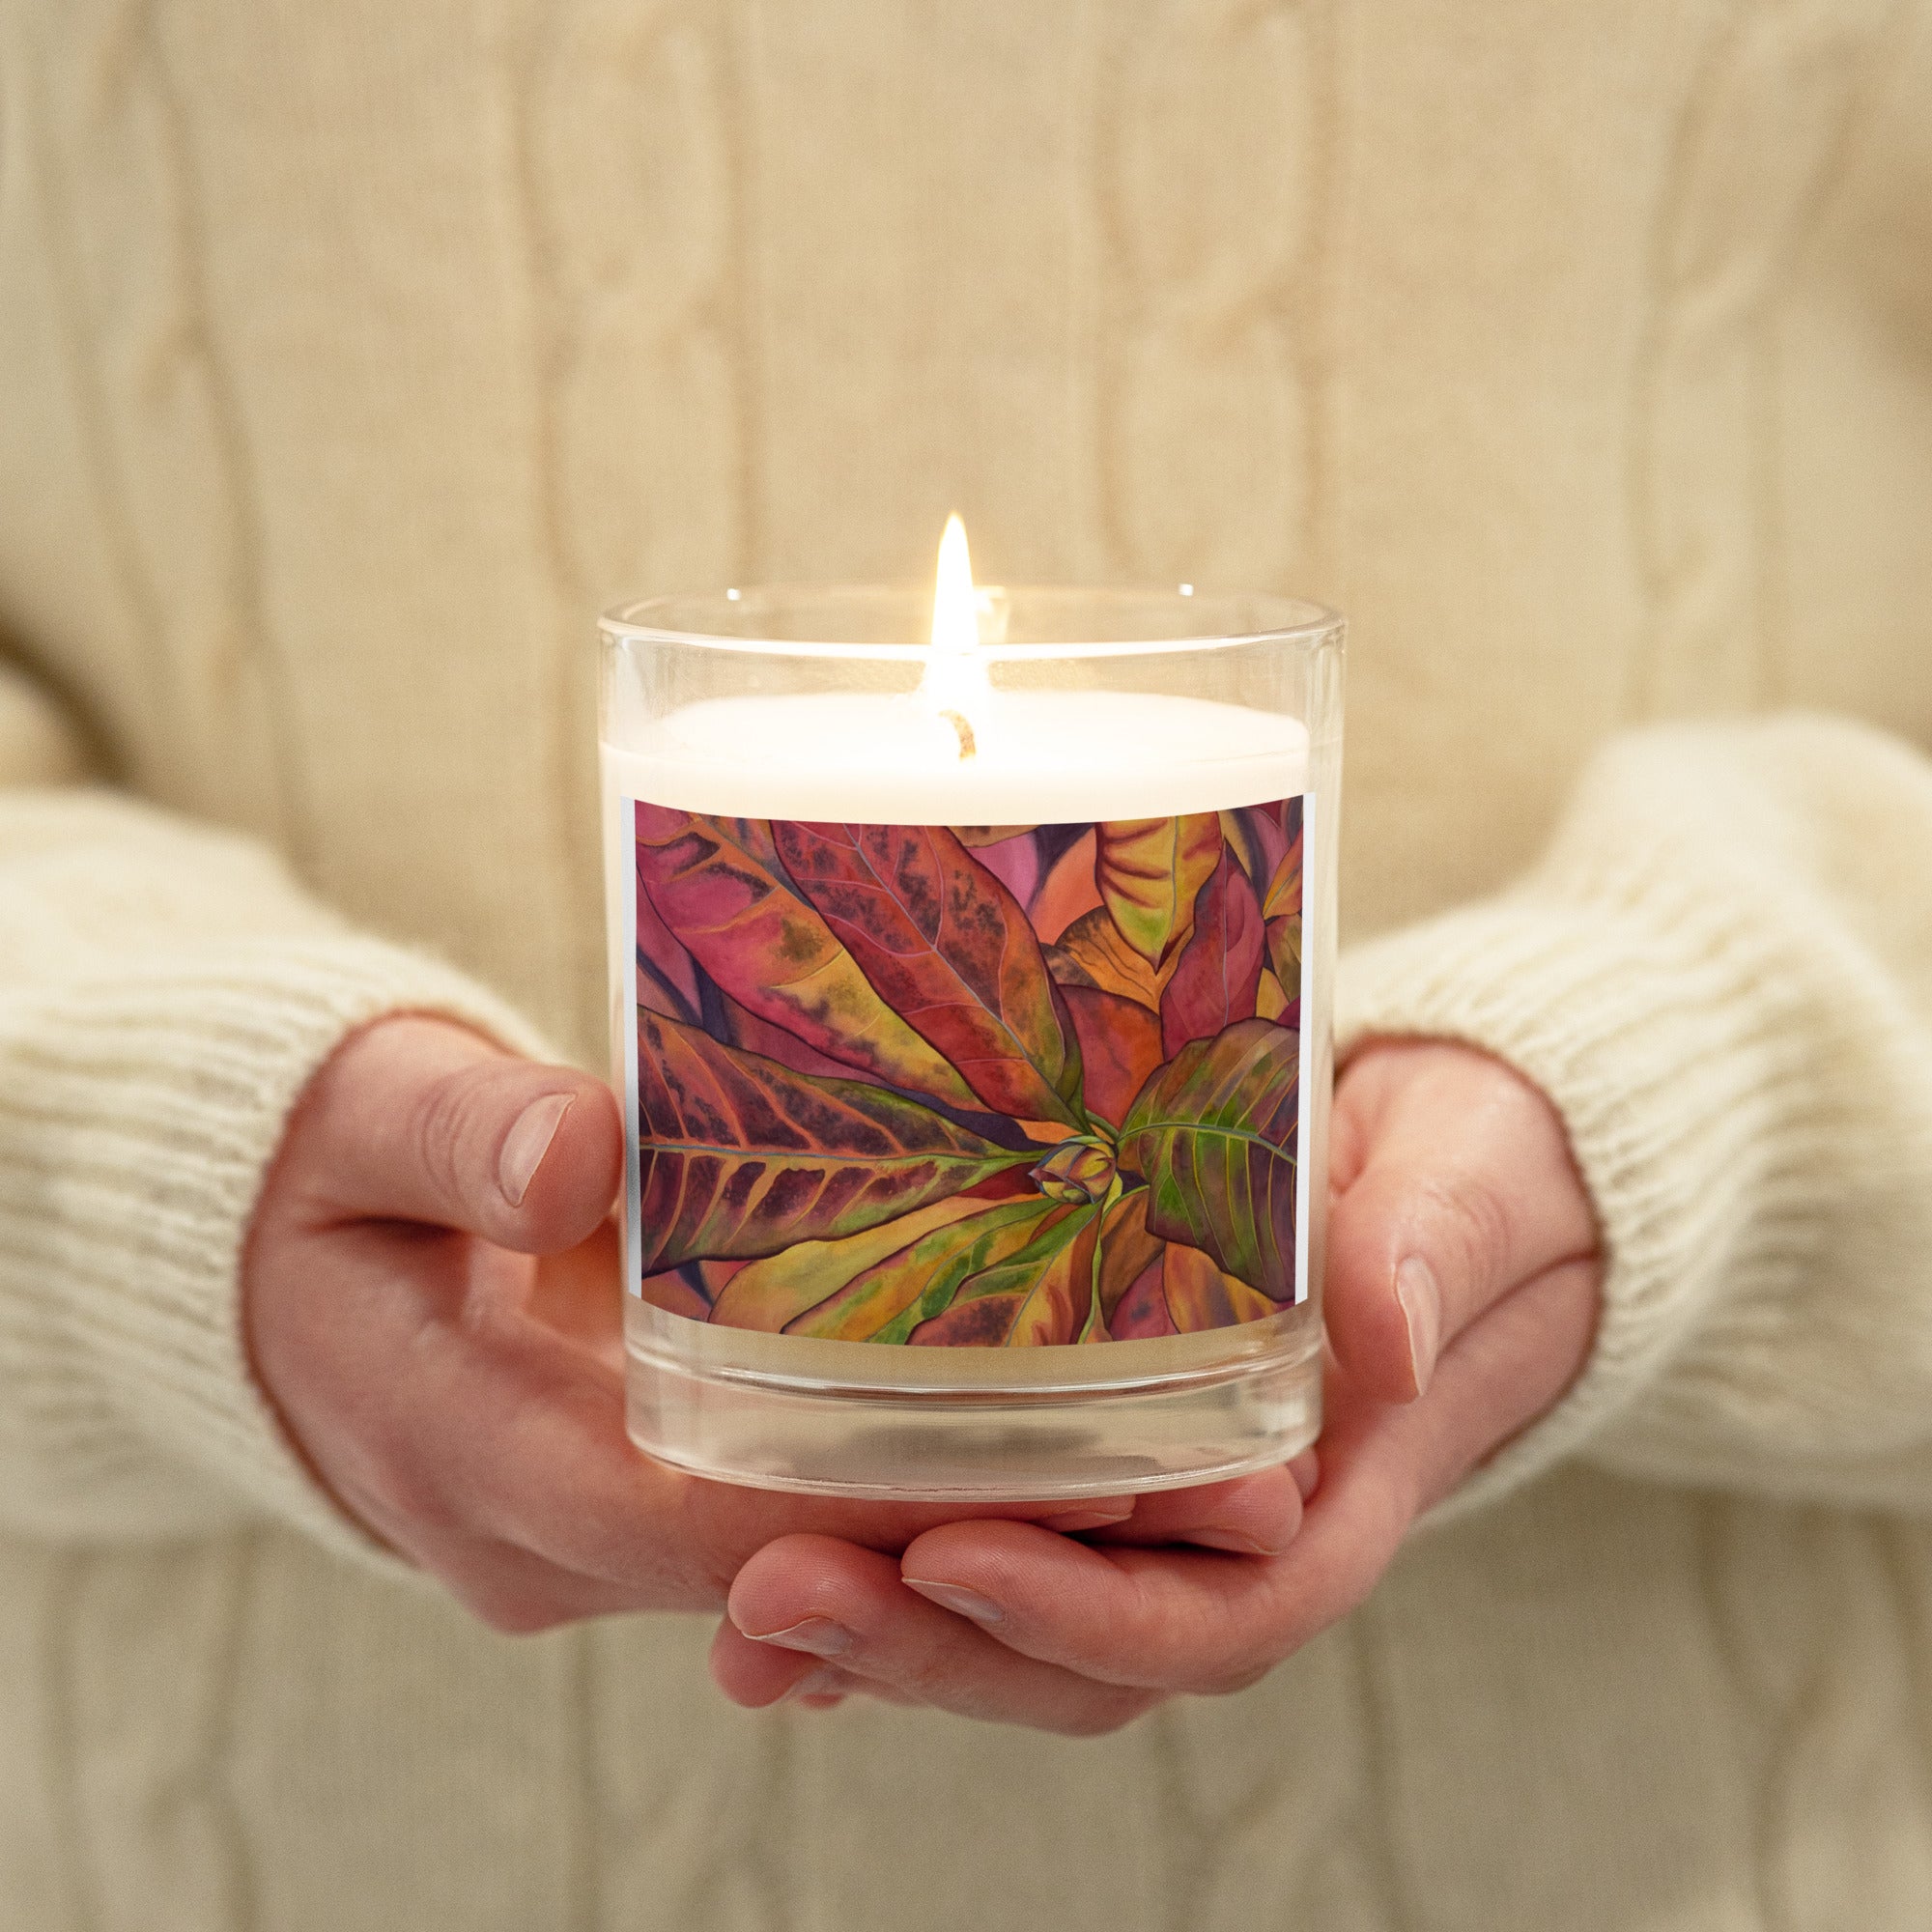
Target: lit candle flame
x=956, y=626
x=954, y=684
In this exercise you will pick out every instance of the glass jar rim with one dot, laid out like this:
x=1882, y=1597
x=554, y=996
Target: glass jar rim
x=683, y=619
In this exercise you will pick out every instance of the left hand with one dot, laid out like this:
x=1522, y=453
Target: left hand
x=1461, y=1296
x=428, y=1298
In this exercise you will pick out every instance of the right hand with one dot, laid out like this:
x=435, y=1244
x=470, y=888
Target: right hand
x=431, y=1300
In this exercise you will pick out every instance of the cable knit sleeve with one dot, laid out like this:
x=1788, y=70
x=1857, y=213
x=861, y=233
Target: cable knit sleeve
x=165, y=992
x=1721, y=973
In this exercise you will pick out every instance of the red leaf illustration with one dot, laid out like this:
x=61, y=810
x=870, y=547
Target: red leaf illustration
x=1258, y=837
x=738, y=1026
x=666, y=980
x=1120, y=1046
x=949, y=949
x=717, y=885
x=1070, y=890
x=1013, y=862
x=742, y=1156
x=1127, y=1250
x=1151, y=870
x=1142, y=1314
x=1220, y=967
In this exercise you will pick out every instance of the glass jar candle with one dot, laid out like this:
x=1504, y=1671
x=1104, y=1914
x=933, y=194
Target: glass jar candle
x=970, y=1005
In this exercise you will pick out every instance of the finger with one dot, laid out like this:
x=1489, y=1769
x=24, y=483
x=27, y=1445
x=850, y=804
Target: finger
x=1158, y=1620
x=1254, y=1515
x=1461, y=1187
x=418, y=1119
x=807, y=1601
x=786, y=1678
x=1173, y=1620
x=1504, y=1373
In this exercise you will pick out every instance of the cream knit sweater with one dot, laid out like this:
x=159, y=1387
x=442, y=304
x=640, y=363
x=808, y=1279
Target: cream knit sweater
x=351, y=355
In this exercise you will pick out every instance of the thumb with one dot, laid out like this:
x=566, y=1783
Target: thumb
x=420, y=1119
x=1463, y=1187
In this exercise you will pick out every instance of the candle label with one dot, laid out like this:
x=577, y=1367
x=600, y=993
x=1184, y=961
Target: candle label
x=991, y=1086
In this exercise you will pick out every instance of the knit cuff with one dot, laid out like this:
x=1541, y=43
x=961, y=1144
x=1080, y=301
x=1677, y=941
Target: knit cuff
x=139, y=1131
x=1644, y=1015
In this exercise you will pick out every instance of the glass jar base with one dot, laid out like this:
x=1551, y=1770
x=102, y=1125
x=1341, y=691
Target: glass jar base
x=1015, y=1445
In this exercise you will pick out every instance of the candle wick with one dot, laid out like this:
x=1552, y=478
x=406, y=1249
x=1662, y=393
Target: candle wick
x=967, y=743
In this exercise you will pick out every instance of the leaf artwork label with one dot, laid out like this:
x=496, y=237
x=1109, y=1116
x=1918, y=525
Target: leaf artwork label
x=985, y=1087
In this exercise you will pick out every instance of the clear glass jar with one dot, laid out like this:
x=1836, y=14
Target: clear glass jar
x=971, y=1011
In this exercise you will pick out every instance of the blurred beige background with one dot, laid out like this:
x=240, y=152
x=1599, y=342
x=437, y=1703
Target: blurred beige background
x=1595, y=357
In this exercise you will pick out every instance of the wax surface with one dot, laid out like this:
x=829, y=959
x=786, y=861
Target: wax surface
x=890, y=760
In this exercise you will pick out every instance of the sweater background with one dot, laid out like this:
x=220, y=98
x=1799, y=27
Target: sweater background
x=353, y=356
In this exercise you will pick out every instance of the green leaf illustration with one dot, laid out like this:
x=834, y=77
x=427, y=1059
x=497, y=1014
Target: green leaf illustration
x=1041, y=1296
x=780, y=1289
x=1214, y=1135
x=885, y=1300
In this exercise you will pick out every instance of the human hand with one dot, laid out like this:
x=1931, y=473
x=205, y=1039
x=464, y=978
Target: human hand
x=1461, y=1299
x=430, y=1300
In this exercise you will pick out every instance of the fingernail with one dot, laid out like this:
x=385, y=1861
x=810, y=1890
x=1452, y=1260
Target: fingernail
x=1306, y=1469
x=824, y=1682
x=961, y=1603
x=1073, y=1522
x=1421, y=1300
x=527, y=1144
x=1230, y=1540
x=819, y=1635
